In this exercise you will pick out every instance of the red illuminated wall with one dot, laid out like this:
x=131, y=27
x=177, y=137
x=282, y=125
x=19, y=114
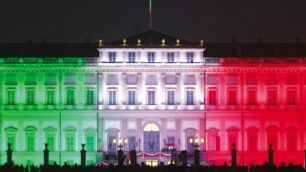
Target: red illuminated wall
x=253, y=105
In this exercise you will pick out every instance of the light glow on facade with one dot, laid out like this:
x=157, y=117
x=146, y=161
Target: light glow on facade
x=249, y=102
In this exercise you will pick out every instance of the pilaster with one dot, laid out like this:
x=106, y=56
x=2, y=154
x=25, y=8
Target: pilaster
x=179, y=91
x=123, y=89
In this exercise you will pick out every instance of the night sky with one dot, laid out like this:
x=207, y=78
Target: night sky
x=212, y=20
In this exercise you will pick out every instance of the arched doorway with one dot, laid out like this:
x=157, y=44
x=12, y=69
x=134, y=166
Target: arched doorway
x=151, y=138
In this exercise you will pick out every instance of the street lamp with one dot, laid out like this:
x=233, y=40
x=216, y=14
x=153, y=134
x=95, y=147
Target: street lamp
x=121, y=142
x=196, y=142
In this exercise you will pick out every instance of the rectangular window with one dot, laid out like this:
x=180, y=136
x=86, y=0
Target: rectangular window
x=131, y=57
x=132, y=143
x=30, y=143
x=171, y=142
x=11, y=97
x=232, y=97
x=291, y=96
x=190, y=97
x=151, y=57
x=30, y=97
x=190, y=57
x=112, y=57
x=151, y=97
x=170, y=57
x=70, y=97
x=131, y=97
x=271, y=97
x=89, y=97
x=90, y=143
x=212, y=97
x=70, y=143
x=50, y=142
x=170, y=97
x=50, y=97
x=112, y=97
x=252, y=96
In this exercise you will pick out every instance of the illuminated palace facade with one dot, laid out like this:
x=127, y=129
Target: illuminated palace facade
x=155, y=91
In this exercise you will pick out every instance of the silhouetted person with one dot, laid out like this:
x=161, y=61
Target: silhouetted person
x=46, y=155
x=184, y=158
x=234, y=156
x=9, y=154
x=83, y=156
x=196, y=158
x=305, y=159
x=133, y=158
x=120, y=157
x=270, y=156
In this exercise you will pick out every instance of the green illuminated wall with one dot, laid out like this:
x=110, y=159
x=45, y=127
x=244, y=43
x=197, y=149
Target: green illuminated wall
x=48, y=101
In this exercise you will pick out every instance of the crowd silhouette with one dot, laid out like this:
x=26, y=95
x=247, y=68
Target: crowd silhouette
x=160, y=168
x=269, y=166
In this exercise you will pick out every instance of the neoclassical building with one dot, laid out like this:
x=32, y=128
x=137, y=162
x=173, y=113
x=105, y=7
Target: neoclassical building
x=155, y=91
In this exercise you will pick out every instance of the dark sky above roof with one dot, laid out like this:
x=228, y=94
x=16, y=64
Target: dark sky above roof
x=212, y=20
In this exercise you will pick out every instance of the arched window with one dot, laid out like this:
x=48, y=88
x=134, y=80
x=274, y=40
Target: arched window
x=252, y=138
x=50, y=137
x=90, y=140
x=151, y=127
x=292, y=138
x=213, y=140
x=11, y=136
x=30, y=138
x=232, y=137
x=112, y=133
x=189, y=133
x=70, y=133
x=272, y=137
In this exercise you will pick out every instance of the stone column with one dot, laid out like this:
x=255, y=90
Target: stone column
x=179, y=97
x=100, y=133
x=202, y=132
x=123, y=130
x=139, y=135
x=163, y=132
x=162, y=88
x=178, y=134
x=182, y=91
x=123, y=90
x=200, y=87
x=101, y=94
x=140, y=92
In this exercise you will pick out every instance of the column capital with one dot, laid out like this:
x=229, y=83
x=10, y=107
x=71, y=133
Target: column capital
x=139, y=75
x=123, y=75
x=178, y=75
x=100, y=75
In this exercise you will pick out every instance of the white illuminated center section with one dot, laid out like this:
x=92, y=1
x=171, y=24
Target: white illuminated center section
x=153, y=95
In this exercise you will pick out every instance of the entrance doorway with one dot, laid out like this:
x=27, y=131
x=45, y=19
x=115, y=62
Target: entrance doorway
x=151, y=138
